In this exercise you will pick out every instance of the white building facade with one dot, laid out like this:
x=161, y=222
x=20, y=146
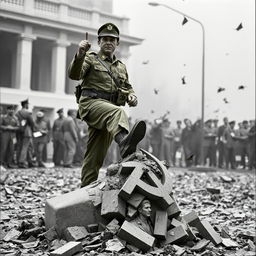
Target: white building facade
x=38, y=39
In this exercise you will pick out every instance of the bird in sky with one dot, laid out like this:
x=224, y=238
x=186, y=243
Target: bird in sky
x=185, y=20
x=241, y=87
x=225, y=100
x=156, y=91
x=221, y=89
x=183, y=80
x=239, y=27
x=145, y=62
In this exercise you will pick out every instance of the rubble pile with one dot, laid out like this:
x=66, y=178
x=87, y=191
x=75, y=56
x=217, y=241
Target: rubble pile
x=190, y=217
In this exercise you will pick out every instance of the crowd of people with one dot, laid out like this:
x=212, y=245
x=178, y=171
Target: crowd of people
x=24, y=141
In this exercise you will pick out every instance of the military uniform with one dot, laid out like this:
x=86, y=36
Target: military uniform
x=9, y=124
x=97, y=104
x=70, y=139
x=58, y=140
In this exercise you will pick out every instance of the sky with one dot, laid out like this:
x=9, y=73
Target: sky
x=174, y=51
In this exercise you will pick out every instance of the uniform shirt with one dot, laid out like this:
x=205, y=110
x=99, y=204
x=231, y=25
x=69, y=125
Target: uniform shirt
x=209, y=136
x=70, y=127
x=95, y=75
x=177, y=135
x=57, y=129
x=41, y=126
x=9, y=121
x=229, y=137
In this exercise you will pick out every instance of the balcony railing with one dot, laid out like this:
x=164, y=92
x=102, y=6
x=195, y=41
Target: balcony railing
x=60, y=10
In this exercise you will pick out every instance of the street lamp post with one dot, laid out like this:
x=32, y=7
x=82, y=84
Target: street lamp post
x=203, y=68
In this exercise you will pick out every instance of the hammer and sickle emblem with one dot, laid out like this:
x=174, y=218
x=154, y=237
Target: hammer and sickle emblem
x=155, y=189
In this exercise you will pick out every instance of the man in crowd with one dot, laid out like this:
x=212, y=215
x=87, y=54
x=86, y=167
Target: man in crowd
x=156, y=137
x=9, y=125
x=177, y=144
x=252, y=141
x=40, y=137
x=105, y=88
x=58, y=139
x=244, y=142
x=70, y=138
x=221, y=146
x=186, y=140
x=25, y=141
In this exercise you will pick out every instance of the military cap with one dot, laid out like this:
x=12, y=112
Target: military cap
x=40, y=114
x=59, y=110
x=178, y=122
x=215, y=120
x=108, y=29
x=24, y=102
x=10, y=107
x=232, y=122
x=245, y=122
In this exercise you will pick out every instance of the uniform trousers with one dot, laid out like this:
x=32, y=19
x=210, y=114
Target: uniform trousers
x=7, y=147
x=26, y=152
x=70, y=148
x=105, y=120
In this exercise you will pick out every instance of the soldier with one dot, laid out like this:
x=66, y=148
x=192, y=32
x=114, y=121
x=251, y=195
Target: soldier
x=143, y=220
x=70, y=138
x=9, y=124
x=105, y=88
x=25, y=141
x=58, y=139
x=186, y=140
x=40, y=137
x=244, y=142
x=156, y=137
x=209, y=142
x=177, y=143
x=220, y=145
x=196, y=142
x=252, y=141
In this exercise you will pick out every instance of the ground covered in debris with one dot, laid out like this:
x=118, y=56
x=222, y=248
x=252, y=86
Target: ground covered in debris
x=225, y=199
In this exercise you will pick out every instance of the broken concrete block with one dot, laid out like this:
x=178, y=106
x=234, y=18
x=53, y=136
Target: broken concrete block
x=179, y=250
x=200, y=245
x=191, y=218
x=50, y=234
x=92, y=228
x=228, y=243
x=71, y=209
x=135, y=236
x=131, y=211
x=112, y=205
x=160, y=228
x=75, y=233
x=135, y=200
x=11, y=235
x=206, y=231
x=173, y=210
x=68, y=249
x=176, y=235
x=113, y=226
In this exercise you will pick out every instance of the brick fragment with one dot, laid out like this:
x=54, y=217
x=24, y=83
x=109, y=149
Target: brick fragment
x=160, y=228
x=50, y=234
x=12, y=234
x=113, y=226
x=200, y=245
x=112, y=205
x=135, y=236
x=228, y=243
x=179, y=250
x=191, y=218
x=176, y=235
x=173, y=210
x=135, y=200
x=213, y=190
x=206, y=231
x=92, y=228
x=75, y=233
x=68, y=249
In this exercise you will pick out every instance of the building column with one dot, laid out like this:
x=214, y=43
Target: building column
x=59, y=70
x=24, y=61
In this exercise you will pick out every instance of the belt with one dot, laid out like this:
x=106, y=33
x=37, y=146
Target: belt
x=95, y=94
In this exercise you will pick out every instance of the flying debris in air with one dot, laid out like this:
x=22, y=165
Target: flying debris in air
x=225, y=100
x=152, y=111
x=185, y=20
x=221, y=89
x=240, y=26
x=183, y=80
x=216, y=111
x=145, y=62
x=241, y=87
x=190, y=157
x=156, y=91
